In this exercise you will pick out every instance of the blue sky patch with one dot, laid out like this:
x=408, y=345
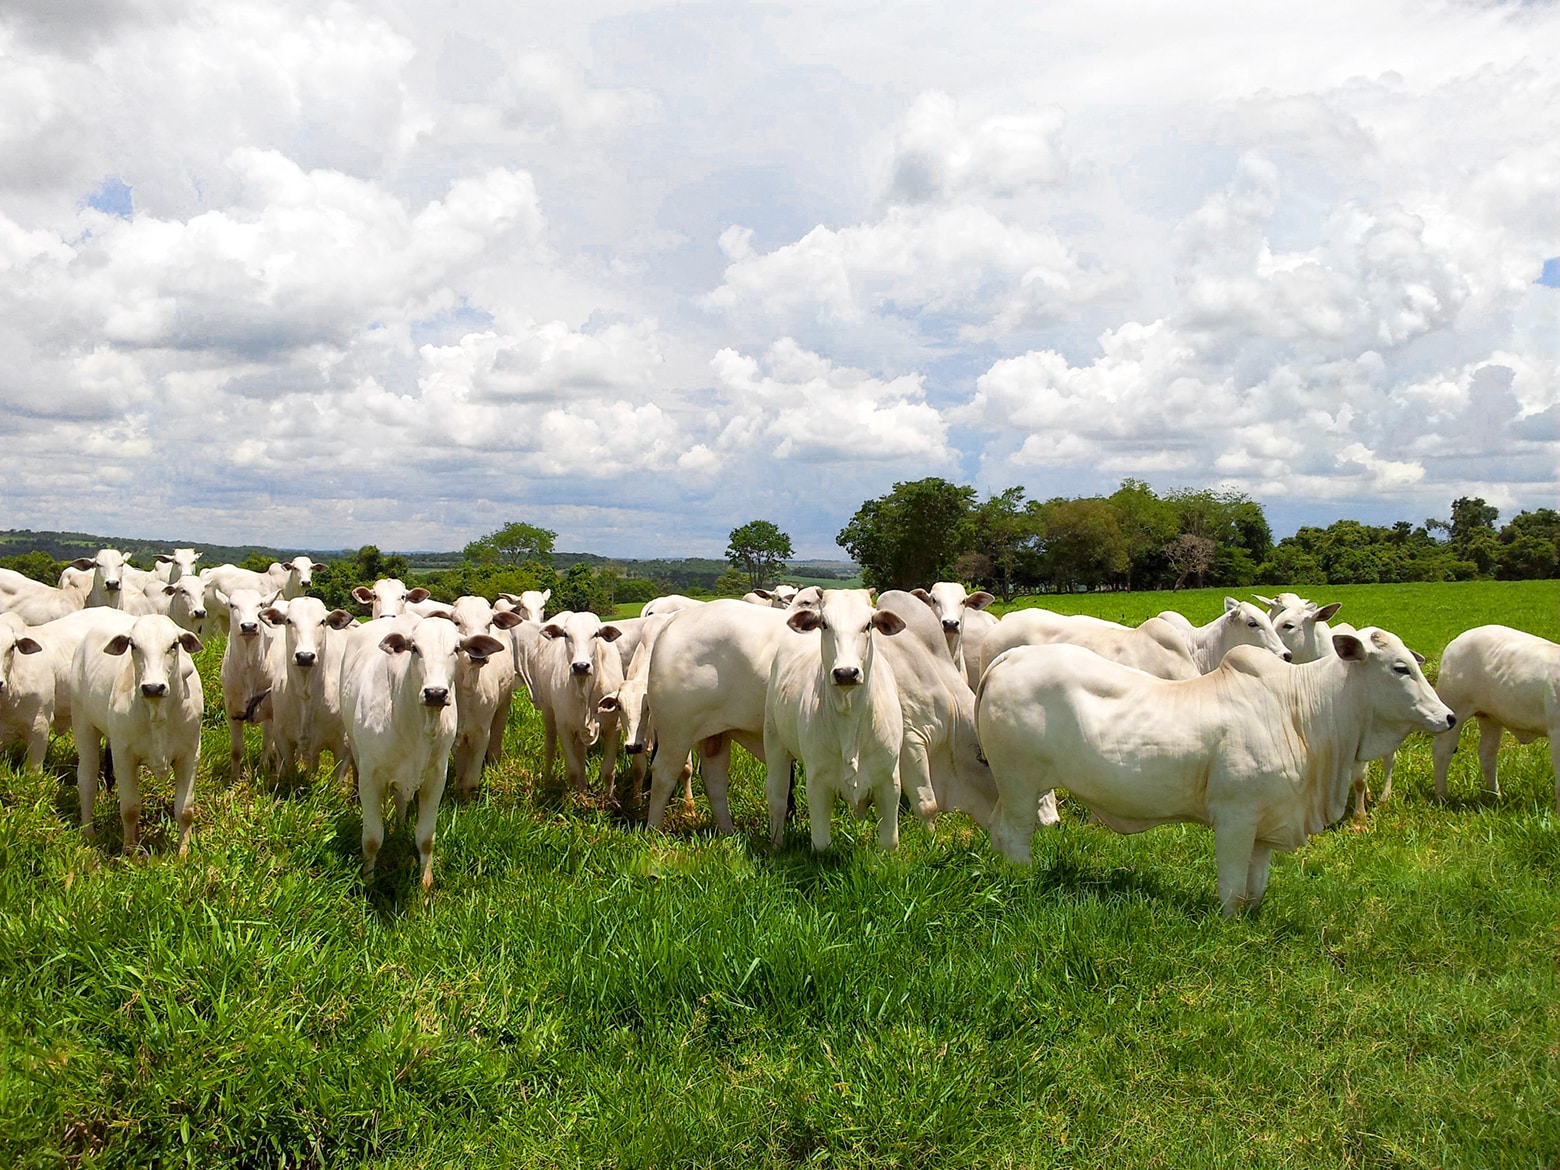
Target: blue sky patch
x=113, y=197
x=1550, y=276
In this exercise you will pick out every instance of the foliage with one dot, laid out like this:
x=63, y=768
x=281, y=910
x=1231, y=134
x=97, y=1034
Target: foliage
x=1080, y=543
x=334, y=583
x=758, y=549
x=583, y=589
x=912, y=536
x=514, y=544
x=1189, y=554
x=732, y=583
x=37, y=565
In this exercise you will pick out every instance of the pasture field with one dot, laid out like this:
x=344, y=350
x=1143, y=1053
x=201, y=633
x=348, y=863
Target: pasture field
x=576, y=993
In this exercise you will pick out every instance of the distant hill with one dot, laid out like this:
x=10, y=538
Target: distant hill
x=679, y=571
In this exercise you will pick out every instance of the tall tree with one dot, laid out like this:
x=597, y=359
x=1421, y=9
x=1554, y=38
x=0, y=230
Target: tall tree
x=513, y=544
x=912, y=536
x=1082, y=542
x=758, y=549
x=1002, y=543
x=1146, y=523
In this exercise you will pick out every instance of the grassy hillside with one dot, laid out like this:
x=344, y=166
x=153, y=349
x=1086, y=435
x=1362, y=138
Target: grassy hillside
x=577, y=993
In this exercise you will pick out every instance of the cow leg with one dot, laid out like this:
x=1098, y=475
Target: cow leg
x=128, y=770
x=820, y=805
x=1257, y=875
x=609, y=751
x=777, y=785
x=636, y=778
x=427, y=816
x=1442, y=748
x=371, y=796
x=1388, y=762
x=1012, y=827
x=183, y=802
x=236, y=746
x=495, y=740
x=1046, y=812
x=549, y=743
x=663, y=778
x=470, y=752
x=1489, y=753
x=1361, y=790
x=716, y=769
x=37, y=743
x=915, y=775
x=885, y=793
x=1554, y=761
x=89, y=750
x=1234, y=848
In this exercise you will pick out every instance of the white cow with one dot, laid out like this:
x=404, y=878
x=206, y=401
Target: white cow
x=246, y=685
x=832, y=703
x=303, y=669
x=397, y=687
x=952, y=605
x=103, y=576
x=134, y=683
x=531, y=604
x=1241, y=624
x=1156, y=647
x=179, y=563
x=708, y=679
x=484, y=688
x=59, y=640
x=26, y=691
x=36, y=603
x=1507, y=679
x=978, y=625
x=183, y=600
x=295, y=576
x=671, y=603
x=576, y=668
x=780, y=597
x=1261, y=752
x=632, y=703
x=388, y=597
x=1301, y=625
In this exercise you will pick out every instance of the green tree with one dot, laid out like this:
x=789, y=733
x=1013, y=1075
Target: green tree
x=584, y=589
x=513, y=544
x=38, y=565
x=758, y=549
x=1146, y=523
x=912, y=536
x=1081, y=542
x=1003, y=539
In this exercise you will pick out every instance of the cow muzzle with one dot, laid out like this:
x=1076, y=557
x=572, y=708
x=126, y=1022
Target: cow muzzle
x=579, y=667
x=154, y=690
x=304, y=658
x=950, y=625
x=249, y=629
x=1451, y=722
x=634, y=749
x=1288, y=657
x=847, y=676
x=111, y=586
x=436, y=696
x=198, y=614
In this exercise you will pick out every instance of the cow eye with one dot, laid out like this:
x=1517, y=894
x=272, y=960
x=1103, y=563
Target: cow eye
x=1253, y=625
x=1289, y=625
x=1401, y=669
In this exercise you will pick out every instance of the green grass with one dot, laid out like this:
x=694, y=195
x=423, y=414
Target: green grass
x=575, y=993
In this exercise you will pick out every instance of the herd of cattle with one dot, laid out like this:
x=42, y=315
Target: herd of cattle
x=1256, y=724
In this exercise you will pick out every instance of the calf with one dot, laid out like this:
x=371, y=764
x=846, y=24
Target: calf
x=1507, y=679
x=397, y=692
x=246, y=685
x=484, y=687
x=952, y=605
x=577, y=667
x=135, y=684
x=1141, y=751
x=388, y=597
x=303, y=671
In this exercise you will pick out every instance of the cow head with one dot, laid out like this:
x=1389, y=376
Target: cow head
x=388, y=597
x=245, y=609
x=845, y=619
x=949, y=601
x=530, y=605
x=632, y=704
x=181, y=562
x=1246, y=625
x=304, y=622
x=1301, y=625
x=1395, y=692
x=155, y=645
x=432, y=646
x=14, y=640
x=107, y=568
x=187, y=601
x=581, y=632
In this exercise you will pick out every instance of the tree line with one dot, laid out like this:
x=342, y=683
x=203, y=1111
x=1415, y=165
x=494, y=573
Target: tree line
x=930, y=529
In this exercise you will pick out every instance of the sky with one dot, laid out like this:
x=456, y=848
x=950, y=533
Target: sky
x=322, y=275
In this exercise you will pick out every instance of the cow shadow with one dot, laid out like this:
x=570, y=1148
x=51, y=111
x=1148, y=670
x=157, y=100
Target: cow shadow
x=395, y=887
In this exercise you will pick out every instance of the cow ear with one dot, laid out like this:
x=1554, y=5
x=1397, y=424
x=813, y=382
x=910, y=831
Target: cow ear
x=1418, y=657
x=273, y=615
x=886, y=621
x=418, y=594
x=546, y=596
x=922, y=595
x=553, y=630
x=481, y=647
x=764, y=593
x=506, y=619
x=1327, y=611
x=608, y=704
x=872, y=595
x=1266, y=601
x=363, y=594
x=804, y=620
x=1231, y=605
x=394, y=643
x=318, y=565
x=339, y=619
x=83, y=563
x=980, y=600
x=1349, y=648
x=28, y=645
x=609, y=633
x=117, y=645
x=164, y=559
x=170, y=590
x=191, y=644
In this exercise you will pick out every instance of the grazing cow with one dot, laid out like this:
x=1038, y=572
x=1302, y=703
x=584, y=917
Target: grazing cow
x=952, y=604
x=531, y=605
x=1156, y=647
x=576, y=668
x=135, y=684
x=1506, y=679
x=780, y=597
x=671, y=603
x=1262, y=753
x=26, y=691
x=179, y=563
x=397, y=687
x=833, y=704
x=303, y=671
x=708, y=678
x=388, y=597
x=1241, y=624
x=484, y=687
x=246, y=684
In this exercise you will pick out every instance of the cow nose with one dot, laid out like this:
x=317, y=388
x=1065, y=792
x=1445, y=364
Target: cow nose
x=435, y=696
x=950, y=624
x=580, y=667
x=633, y=749
x=304, y=657
x=197, y=614
x=111, y=586
x=1451, y=722
x=847, y=676
x=1288, y=657
x=154, y=690
x=249, y=629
